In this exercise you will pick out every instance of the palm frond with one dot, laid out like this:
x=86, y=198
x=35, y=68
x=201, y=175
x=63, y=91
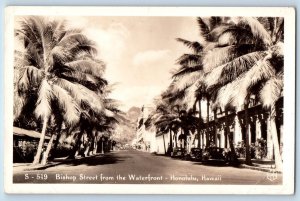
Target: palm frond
x=195, y=46
x=204, y=28
x=261, y=71
x=258, y=30
x=189, y=60
x=29, y=77
x=19, y=102
x=91, y=82
x=184, y=81
x=214, y=22
x=73, y=42
x=112, y=105
x=221, y=55
x=217, y=57
x=43, y=106
x=82, y=95
x=237, y=35
x=31, y=28
x=95, y=68
x=184, y=70
x=71, y=110
x=231, y=70
x=272, y=91
x=190, y=96
x=214, y=34
x=230, y=95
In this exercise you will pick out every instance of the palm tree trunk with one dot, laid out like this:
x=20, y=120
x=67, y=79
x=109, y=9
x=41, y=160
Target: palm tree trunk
x=56, y=141
x=227, y=129
x=248, y=154
x=41, y=142
x=164, y=144
x=278, y=158
x=171, y=142
x=207, y=124
x=233, y=156
x=46, y=154
x=77, y=145
x=199, y=126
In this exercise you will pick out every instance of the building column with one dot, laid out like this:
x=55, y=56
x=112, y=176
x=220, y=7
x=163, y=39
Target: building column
x=250, y=129
x=281, y=139
x=270, y=147
x=222, y=138
x=258, y=128
x=204, y=139
x=237, y=134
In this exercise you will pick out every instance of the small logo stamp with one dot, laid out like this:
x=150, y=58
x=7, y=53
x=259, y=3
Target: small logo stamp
x=272, y=175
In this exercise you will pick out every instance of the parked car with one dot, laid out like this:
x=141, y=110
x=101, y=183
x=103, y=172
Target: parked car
x=214, y=153
x=196, y=154
x=177, y=152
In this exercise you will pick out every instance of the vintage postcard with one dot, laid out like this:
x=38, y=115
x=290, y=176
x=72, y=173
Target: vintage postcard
x=149, y=100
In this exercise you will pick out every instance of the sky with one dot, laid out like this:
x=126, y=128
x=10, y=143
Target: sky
x=139, y=52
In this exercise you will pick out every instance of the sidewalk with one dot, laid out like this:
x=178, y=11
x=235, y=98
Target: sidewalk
x=261, y=165
x=20, y=167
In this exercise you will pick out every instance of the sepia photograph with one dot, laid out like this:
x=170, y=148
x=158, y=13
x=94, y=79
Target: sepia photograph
x=168, y=99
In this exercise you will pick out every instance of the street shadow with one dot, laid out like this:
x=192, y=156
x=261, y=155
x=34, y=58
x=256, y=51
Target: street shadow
x=212, y=163
x=217, y=163
x=89, y=161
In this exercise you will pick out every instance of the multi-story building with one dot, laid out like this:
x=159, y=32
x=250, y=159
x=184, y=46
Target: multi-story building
x=145, y=136
x=224, y=126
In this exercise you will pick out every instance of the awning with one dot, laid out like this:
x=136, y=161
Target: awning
x=27, y=133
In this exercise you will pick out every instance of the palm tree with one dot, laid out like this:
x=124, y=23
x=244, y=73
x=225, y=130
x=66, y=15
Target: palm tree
x=103, y=121
x=189, y=78
x=59, y=70
x=166, y=119
x=251, y=65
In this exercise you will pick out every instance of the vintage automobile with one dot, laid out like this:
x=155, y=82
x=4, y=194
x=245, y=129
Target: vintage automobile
x=196, y=154
x=214, y=153
x=178, y=152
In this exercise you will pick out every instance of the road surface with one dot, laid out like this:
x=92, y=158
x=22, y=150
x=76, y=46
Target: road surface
x=136, y=167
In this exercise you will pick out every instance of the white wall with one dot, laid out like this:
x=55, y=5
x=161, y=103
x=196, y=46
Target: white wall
x=160, y=143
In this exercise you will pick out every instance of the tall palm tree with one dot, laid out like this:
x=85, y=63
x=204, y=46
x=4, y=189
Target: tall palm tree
x=102, y=121
x=166, y=118
x=189, y=78
x=254, y=67
x=58, y=68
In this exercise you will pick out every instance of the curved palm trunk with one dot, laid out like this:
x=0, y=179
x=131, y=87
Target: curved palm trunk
x=248, y=154
x=46, y=154
x=77, y=145
x=278, y=158
x=56, y=142
x=37, y=157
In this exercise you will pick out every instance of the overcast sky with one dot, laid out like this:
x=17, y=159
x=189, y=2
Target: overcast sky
x=140, y=52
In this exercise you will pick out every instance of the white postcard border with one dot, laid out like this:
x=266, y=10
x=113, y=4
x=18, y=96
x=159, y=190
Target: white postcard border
x=289, y=104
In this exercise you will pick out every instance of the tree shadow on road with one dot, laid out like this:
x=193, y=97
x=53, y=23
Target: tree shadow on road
x=216, y=163
x=89, y=161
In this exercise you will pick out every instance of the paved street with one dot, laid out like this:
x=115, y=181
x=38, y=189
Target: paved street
x=135, y=167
